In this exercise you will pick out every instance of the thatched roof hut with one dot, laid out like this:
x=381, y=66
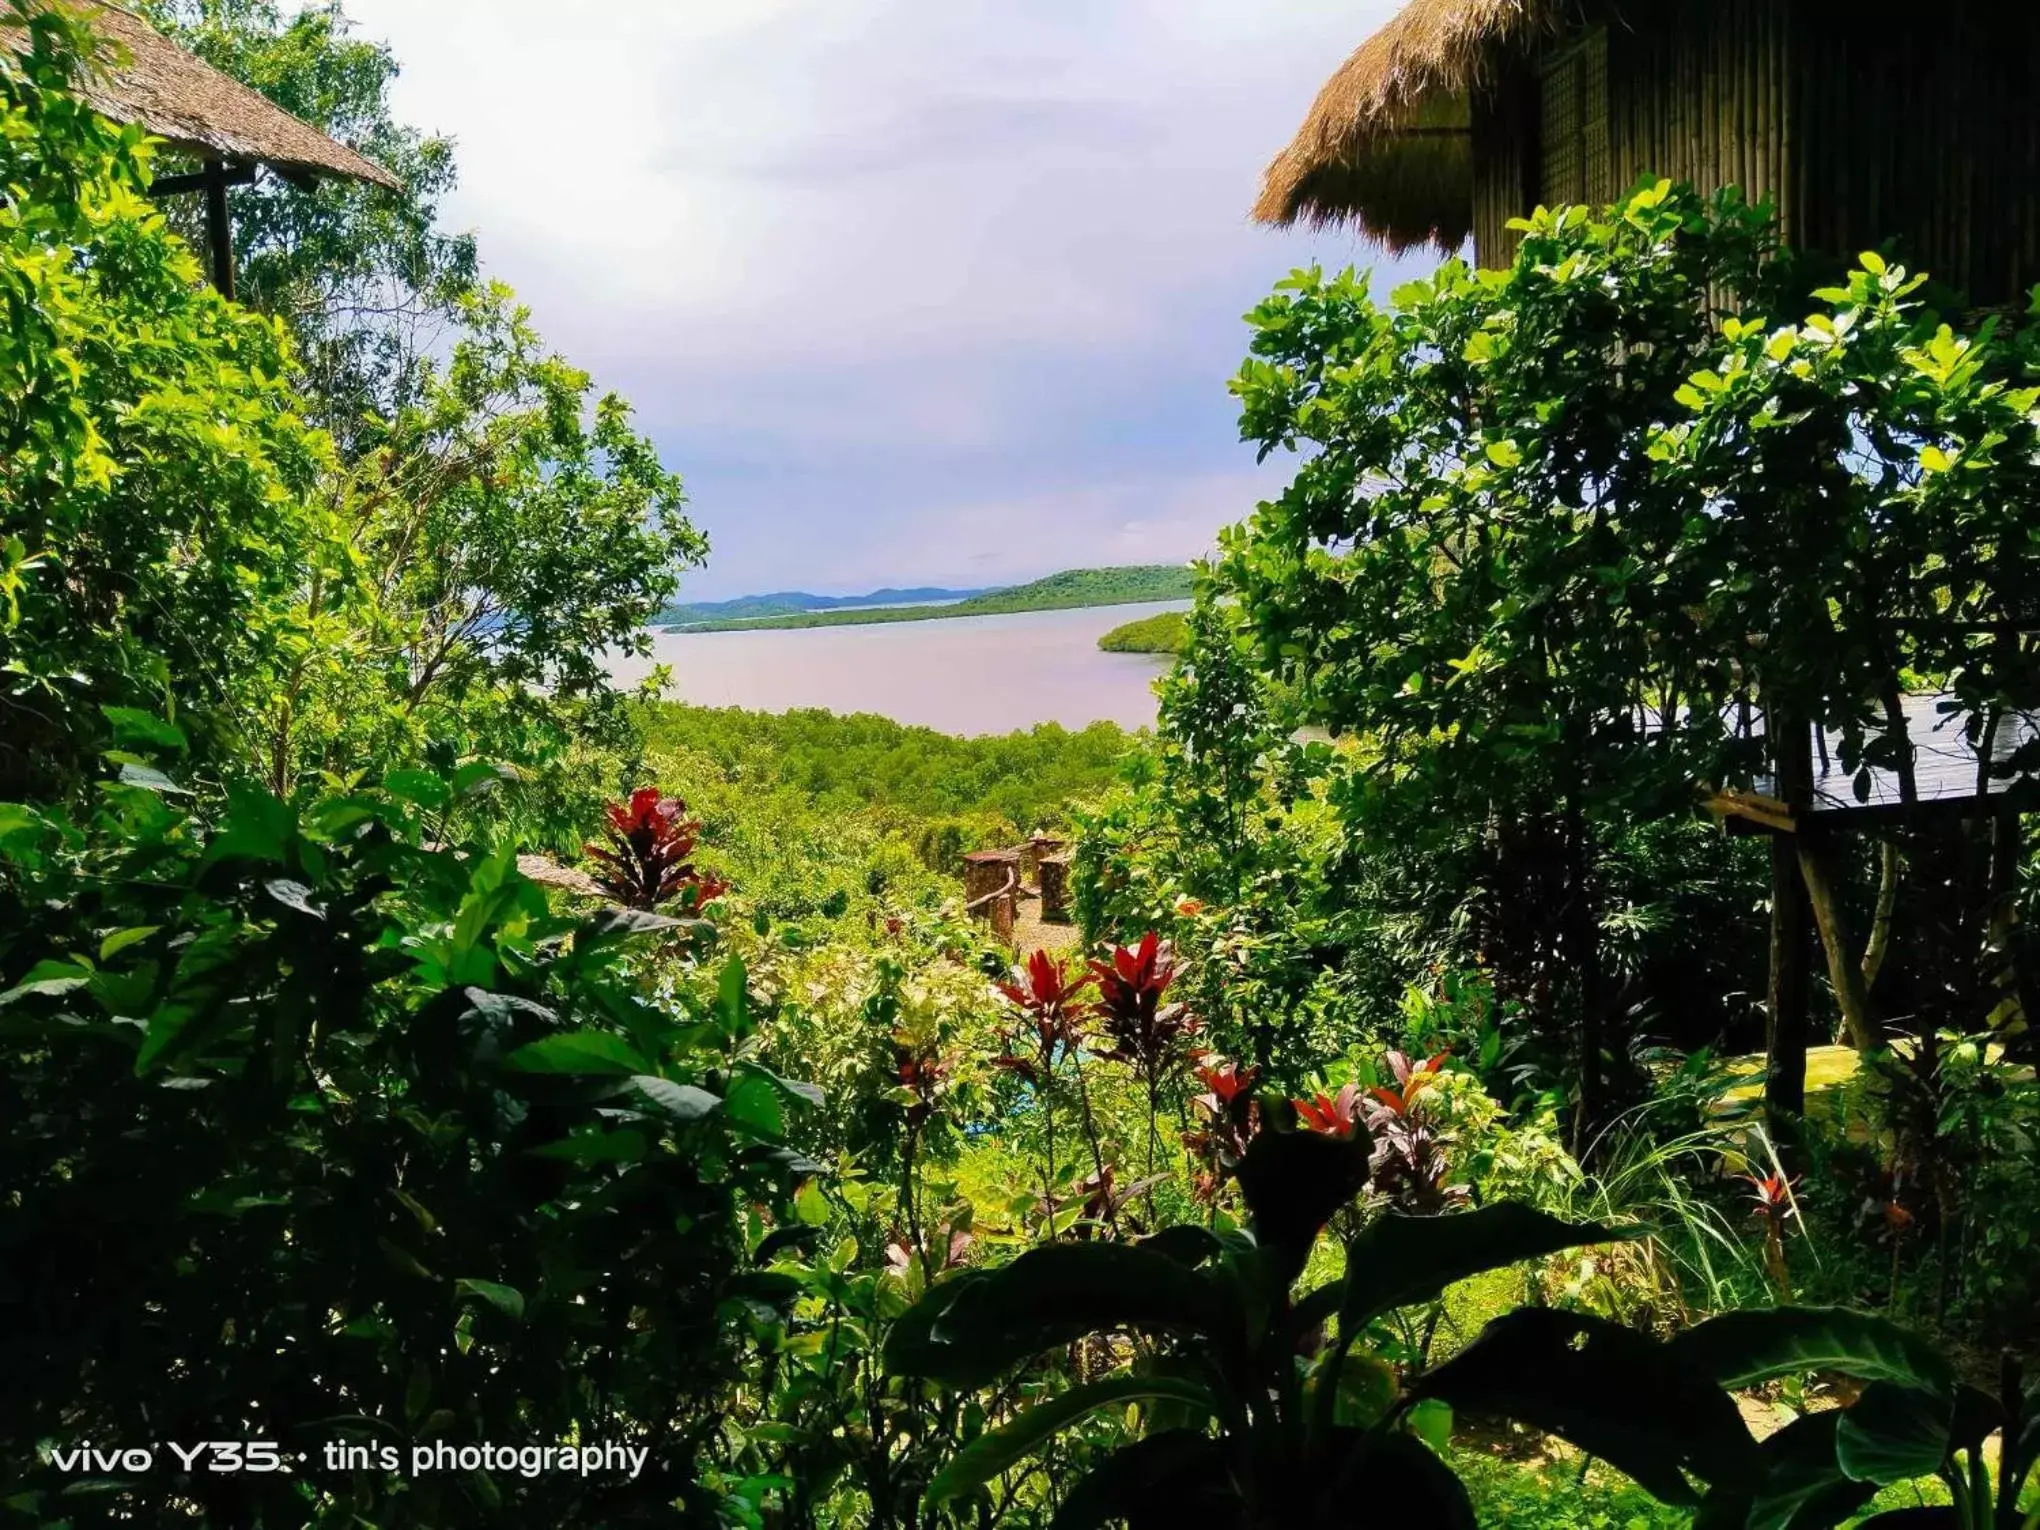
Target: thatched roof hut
x=1864, y=121
x=148, y=80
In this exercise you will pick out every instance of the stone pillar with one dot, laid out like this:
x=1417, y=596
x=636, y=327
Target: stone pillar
x=986, y=875
x=1055, y=887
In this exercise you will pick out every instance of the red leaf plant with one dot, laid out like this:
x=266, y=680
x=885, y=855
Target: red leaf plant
x=1148, y=1036
x=1228, y=1114
x=646, y=861
x=1410, y=1166
x=1046, y=995
x=1330, y=1115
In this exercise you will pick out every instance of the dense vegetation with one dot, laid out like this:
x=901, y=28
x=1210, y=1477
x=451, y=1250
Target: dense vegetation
x=1165, y=632
x=1073, y=588
x=1376, y=1155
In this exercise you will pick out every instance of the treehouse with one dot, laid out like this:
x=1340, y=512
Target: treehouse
x=230, y=130
x=1862, y=121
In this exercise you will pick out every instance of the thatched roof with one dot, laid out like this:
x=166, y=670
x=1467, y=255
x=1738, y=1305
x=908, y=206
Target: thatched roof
x=1385, y=142
x=148, y=80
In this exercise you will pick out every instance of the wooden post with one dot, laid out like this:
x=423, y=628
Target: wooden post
x=220, y=228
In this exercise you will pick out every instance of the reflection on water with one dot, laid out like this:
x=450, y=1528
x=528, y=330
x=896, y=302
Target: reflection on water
x=974, y=674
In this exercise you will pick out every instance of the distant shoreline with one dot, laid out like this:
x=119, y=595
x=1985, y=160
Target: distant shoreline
x=1074, y=589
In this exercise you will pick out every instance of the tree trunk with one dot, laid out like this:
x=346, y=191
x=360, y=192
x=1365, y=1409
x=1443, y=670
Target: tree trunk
x=1786, y=1026
x=1817, y=867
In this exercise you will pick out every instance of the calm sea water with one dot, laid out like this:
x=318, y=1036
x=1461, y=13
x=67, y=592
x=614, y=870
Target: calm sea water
x=973, y=674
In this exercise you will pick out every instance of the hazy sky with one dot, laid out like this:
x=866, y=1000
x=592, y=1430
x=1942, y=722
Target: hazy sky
x=908, y=291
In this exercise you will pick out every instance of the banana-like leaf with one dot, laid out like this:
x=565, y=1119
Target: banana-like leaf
x=1741, y=1349
x=1163, y=1482
x=1056, y=1294
x=994, y=1452
x=1427, y=1493
x=1930, y=1516
x=1610, y=1391
x=1401, y=1261
x=1893, y=1434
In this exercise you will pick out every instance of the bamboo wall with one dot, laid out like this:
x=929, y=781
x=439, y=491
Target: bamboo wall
x=1863, y=121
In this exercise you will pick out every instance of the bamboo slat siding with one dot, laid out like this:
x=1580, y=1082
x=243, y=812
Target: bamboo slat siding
x=1864, y=121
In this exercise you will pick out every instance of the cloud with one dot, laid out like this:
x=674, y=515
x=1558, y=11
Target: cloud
x=883, y=275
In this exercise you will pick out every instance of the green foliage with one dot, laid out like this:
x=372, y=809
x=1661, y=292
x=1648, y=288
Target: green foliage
x=1073, y=588
x=1165, y=632
x=359, y=273
x=154, y=471
x=329, y=1128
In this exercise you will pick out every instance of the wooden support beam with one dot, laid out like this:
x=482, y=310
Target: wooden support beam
x=1753, y=807
x=214, y=181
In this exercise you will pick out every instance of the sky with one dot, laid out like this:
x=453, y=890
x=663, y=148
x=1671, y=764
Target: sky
x=908, y=291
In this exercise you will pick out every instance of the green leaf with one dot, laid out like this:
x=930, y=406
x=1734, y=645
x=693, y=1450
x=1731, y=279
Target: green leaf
x=990, y=1454
x=754, y=1102
x=1743, y=1349
x=1431, y=1422
x=48, y=979
x=682, y=1102
x=597, y=1147
x=1607, y=1389
x=1052, y=1295
x=1178, y=1477
x=295, y=896
x=1935, y=460
x=151, y=779
x=1892, y=1434
x=1400, y=1261
x=418, y=786
x=1505, y=454
x=131, y=726
x=1803, y=1486
x=120, y=940
x=505, y=1299
x=578, y=1052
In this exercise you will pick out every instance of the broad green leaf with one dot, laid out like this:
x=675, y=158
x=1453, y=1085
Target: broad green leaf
x=1892, y=1434
x=505, y=1299
x=1052, y=1295
x=1803, y=1486
x=120, y=940
x=990, y=1454
x=48, y=979
x=131, y=726
x=682, y=1102
x=1400, y=1261
x=418, y=786
x=1178, y=1477
x=1431, y=1422
x=754, y=1102
x=597, y=1147
x=1743, y=1349
x=578, y=1052
x=151, y=779
x=1608, y=1390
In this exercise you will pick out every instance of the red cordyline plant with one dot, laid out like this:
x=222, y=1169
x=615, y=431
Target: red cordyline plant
x=646, y=861
x=1775, y=1203
x=1410, y=1167
x=1229, y=1117
x=1150, y=1037
x=1046, y=994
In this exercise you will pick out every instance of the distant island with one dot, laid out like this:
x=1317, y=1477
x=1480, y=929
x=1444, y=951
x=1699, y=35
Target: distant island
x=1166, y=632
x=752, y=608
x=1068, y=590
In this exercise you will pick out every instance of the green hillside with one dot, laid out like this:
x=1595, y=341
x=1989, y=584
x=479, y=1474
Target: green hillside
x=1068, y=590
